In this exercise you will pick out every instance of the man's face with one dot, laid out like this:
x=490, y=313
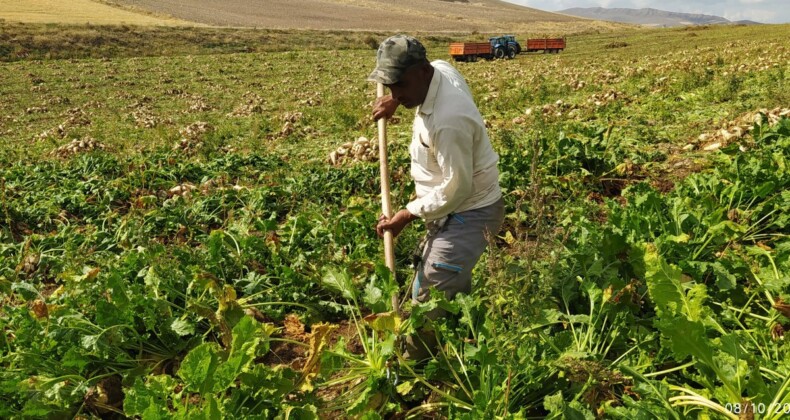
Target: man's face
x=412, y=87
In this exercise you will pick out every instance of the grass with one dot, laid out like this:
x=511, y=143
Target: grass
x=19, y=41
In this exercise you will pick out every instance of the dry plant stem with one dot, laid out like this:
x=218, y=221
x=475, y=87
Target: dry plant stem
x=4, y=203
x=386, y=205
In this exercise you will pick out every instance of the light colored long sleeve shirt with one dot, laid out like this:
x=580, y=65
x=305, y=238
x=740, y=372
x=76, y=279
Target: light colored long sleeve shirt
x=452, y=162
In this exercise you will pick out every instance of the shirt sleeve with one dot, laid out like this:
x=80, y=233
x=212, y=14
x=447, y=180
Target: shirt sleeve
x=453, y=148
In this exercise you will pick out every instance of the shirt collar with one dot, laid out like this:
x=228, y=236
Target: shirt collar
x=426, y=107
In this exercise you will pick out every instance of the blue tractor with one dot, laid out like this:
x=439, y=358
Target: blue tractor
x=511, y=42
x=504, y=46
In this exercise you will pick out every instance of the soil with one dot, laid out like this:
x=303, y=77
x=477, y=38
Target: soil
x=295, y=355
x=372, y=15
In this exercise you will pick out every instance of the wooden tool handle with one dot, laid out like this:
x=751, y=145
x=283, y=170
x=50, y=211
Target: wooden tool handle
x=386, y=205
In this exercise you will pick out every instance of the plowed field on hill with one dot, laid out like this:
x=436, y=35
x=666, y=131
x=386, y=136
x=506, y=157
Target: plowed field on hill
x=78, y=12
x=410, y=15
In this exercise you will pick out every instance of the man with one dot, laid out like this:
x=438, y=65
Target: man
x=453, y=165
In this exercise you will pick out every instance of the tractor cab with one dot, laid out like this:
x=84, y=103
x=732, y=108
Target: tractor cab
x=498, y=41
x=511, y=41
x=501, y=47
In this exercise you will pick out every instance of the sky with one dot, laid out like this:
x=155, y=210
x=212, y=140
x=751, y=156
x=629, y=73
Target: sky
x=764, y=11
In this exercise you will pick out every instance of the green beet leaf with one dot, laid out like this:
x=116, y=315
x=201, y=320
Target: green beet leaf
x=199, y=367
x=246, y=340
x=339, y=282
x=149, y=399
x=666, y=288
x=183, y=327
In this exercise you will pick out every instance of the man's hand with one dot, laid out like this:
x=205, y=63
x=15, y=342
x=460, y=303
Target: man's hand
x=395, y=224
x=384, y=107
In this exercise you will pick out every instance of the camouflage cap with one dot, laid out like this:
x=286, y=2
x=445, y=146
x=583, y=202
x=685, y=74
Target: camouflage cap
x=395, y=55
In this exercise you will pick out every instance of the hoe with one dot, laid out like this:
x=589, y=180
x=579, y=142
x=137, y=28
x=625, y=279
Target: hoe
x=386, y=205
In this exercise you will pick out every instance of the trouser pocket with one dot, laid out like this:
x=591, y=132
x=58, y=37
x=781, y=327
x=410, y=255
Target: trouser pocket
x=447, y=277
x=443, y=266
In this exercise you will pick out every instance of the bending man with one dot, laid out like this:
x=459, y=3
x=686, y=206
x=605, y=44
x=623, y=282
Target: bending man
x=453, y=165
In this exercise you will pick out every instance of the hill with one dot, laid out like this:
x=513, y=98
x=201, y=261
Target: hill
x=645, y=16
x=79, y=12
x=372, y=15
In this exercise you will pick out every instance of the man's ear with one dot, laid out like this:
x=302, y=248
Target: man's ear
x=425, y=70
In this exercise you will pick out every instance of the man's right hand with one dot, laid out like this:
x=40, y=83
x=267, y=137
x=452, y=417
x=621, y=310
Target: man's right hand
x=396, y=224
x=384, y=107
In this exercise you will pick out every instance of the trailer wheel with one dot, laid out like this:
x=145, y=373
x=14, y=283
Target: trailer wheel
x=511, y=53
x=499, y=53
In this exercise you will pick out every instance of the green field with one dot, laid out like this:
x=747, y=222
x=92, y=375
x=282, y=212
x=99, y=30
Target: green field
x=174, y=242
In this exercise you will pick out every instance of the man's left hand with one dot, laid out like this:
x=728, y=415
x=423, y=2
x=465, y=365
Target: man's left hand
x=385, y=107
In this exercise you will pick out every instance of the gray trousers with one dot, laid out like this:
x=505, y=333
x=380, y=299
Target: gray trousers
x=452, y=248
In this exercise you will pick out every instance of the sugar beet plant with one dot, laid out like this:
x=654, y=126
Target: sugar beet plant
x=126, y=295
x=698, y=277
x=112, y=276
x=672, y=309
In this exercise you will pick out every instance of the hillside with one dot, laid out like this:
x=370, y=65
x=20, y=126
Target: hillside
x=645, y=16
x=378, y=15
x=79, y=12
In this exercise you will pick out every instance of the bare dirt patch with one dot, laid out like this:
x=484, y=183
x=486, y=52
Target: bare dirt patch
x=294, y=355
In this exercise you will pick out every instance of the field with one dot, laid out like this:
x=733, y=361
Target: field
x=375, y=15
x=79, y=12
x=175, y=243
x=337, y=15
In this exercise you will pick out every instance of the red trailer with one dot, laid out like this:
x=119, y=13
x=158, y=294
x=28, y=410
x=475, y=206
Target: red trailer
x=547, y=45
x=470, y=51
